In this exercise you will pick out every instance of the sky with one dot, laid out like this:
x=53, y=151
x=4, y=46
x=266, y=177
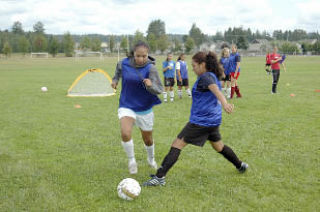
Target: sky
x=127, y=16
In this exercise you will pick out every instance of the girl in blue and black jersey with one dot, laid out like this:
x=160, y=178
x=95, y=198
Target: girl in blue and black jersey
x=182, y=75
x=140, y=86
x=205, y=118
x=168, y=68
x=226, y=82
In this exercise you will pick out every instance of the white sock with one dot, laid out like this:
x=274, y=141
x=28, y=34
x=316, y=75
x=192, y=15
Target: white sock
x=188, y=92
x=165, y=95
x=179, y=93
x=171, y=95
x=228, y=92
x=129, y=149
x=150, y=151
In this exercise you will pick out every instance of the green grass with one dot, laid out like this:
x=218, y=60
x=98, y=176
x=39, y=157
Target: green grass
x=54, y=157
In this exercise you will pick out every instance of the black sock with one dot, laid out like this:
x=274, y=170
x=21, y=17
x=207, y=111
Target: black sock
x=168, y=161
x=231, y=156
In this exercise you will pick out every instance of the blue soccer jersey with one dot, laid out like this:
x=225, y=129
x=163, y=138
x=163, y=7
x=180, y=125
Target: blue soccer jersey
x=182, y=66
x=233, y=60
x=205, y=109
x=134, y=94
x=169, y=73
x=224, y=61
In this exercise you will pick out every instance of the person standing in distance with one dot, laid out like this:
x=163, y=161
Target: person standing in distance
x=235, y=59
x=225, y=82
x=276, y=59
x=168, y=68
x=140, y=85
x=205, y=118
x=182, y=75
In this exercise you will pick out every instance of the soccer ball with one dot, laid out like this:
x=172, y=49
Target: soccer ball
x=44, y=89
x=128, y=189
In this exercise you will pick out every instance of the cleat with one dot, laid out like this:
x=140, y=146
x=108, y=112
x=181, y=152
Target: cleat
x=243, y=167
x=171, y=99
x=133, y=167
x=155, y=181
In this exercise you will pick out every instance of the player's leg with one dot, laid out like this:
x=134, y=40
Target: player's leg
x=126, y=124
x=145, y=123
x=237, y=89
x=170, y=159
x=171, y=89
x=228, y=153
x=166, y=88
x=233, y=84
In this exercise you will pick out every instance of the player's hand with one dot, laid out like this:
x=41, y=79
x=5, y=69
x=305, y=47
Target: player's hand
x=169, y=67
x=147, y=82
x=114, y=85
x=228, y=107
x=180, y=79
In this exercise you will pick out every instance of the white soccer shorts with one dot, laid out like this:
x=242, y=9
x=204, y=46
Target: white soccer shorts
x=144, y=122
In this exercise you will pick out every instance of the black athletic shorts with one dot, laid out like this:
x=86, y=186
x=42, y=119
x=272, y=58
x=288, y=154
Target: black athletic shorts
x=168, y=82
x=185, y=82
x=198, y=135
x=226, y=78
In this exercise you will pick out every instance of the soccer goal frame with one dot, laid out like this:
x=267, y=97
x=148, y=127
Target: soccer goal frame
x=92, y=70
x=39, y=54
x=84, y=54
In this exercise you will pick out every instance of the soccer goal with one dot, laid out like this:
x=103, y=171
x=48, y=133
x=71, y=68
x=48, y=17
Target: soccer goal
x=88, y=54
x=39, y=54
x=91, y=83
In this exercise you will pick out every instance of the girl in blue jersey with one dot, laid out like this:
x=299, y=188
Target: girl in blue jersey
x=168, y=67
x=140, y=86
x=205, y=117
x=225, y=83
x=182, y=75
x=234, y=59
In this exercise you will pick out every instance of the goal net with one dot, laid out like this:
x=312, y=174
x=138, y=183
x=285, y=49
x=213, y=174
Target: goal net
x=39, y=54
x=88, y=54
x=91, y=83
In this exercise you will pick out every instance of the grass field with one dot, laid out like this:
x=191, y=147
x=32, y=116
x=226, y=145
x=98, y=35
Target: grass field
x=55, y=157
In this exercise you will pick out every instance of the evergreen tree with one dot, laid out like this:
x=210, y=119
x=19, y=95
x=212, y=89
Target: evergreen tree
x=53, y=46
x=7, y=49
x=24, y=45
x=189, y=45
x=17, y=28
x=112, y=43
x=196, y=34
x=68, y=45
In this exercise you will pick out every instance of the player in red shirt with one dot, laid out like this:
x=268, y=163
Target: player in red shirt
x=275, y=66
x=268, y=62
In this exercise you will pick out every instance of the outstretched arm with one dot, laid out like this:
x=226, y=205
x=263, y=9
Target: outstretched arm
x=226, y=106
x=117, y=76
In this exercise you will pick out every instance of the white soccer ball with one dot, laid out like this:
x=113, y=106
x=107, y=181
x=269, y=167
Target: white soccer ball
x=128, y=189
x=44, y=89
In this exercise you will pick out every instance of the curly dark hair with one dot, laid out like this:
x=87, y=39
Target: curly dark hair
x=211, y=61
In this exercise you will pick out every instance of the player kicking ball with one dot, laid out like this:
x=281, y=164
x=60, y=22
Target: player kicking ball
x=205, y=118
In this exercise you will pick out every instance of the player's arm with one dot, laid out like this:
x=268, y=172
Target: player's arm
x=117, y=76
x=153, y=83
x=215, y=90
x=165, y=68
x=238, y=65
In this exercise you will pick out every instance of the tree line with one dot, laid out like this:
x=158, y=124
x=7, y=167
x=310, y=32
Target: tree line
x=18, y=40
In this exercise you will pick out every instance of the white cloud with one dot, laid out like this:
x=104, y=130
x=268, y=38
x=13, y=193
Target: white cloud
x=127, y=16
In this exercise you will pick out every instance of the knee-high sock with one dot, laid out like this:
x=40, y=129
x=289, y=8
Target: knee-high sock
x=228, y=153
x=129, y=149
x=232, y=92
x=168, y=161
x=150, y=151
x=237, y=89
